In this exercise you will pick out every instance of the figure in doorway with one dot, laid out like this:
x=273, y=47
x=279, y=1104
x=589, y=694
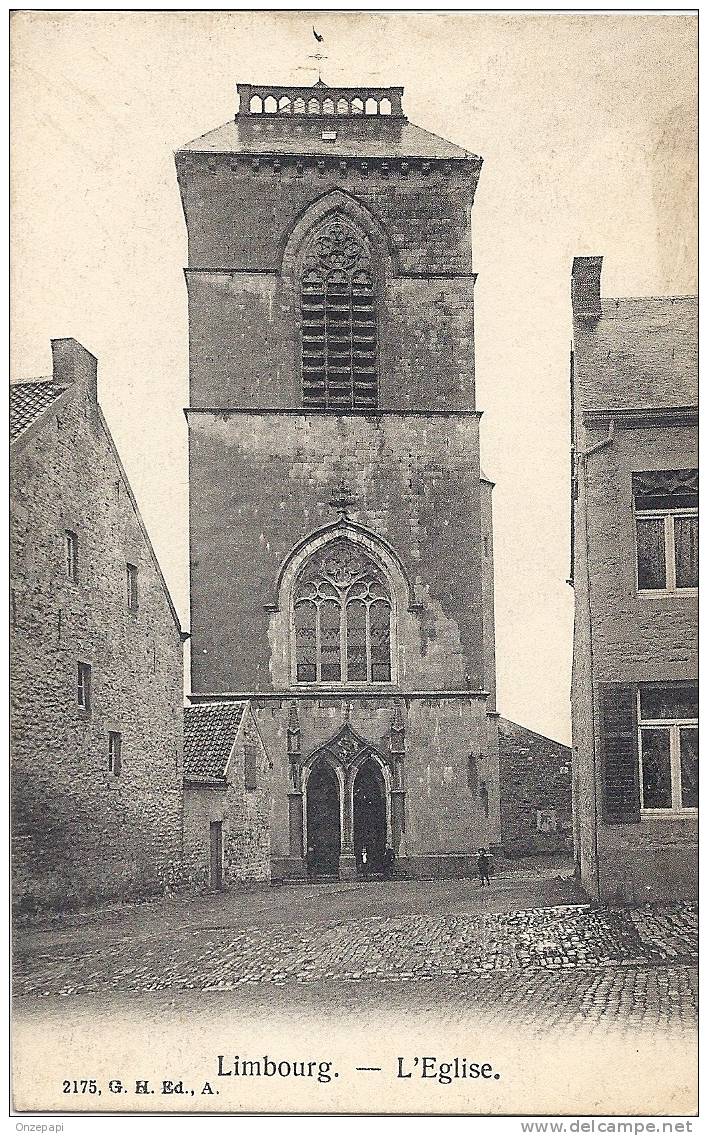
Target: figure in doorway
x=389, y=862
x=364, y=863
x=484, y=863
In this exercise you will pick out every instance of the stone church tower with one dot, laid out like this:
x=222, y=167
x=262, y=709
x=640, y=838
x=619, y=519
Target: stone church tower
x=340, y=528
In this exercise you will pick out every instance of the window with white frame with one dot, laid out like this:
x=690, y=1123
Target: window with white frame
x=668, y=748
x=666, y=519
x=342, y=618
x=83, y=686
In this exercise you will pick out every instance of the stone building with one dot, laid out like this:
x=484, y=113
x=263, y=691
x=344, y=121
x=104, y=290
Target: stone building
x=634, y=571
x=340, y=528
x=96, y=657
x=226, y=795
x=536, y=792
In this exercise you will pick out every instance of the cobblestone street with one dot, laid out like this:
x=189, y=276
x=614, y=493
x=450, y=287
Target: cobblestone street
x=632, y=964
x=525, y=955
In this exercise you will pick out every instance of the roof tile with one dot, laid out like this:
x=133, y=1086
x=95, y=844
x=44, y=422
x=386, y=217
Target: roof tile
x=29, y=400
x=210, y=730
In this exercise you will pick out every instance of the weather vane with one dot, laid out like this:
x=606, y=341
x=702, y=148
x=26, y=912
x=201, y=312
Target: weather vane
x=317, y=55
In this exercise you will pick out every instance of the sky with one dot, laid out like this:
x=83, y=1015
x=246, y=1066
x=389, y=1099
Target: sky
x=587, y=128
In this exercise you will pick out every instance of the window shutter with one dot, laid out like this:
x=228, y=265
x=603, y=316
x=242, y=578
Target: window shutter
x=619, y=753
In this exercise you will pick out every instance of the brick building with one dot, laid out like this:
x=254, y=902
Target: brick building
x=536, y=792
x=226, y=795
x=340, y=528
x=635, y=531
x=96, y=657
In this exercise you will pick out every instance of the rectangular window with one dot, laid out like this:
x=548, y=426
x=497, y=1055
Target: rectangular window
x=132, y=586
x=668, y=748
x=71, y=551
x=666, y=517
x=84, y=686
x=114, y=753
x=250, y=765
x=472, y=773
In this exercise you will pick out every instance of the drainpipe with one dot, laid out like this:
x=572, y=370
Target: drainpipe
x=582, y=461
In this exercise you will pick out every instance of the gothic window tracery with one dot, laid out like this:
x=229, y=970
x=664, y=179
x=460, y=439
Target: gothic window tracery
x=338, y=320
x=342, y=618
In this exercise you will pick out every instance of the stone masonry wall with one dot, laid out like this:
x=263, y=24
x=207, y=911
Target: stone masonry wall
x=639, y=354
x=425, y=215
x=416, y=484
x=639, y=638
x=244, y=813
x=446, y=816
x=535, y=775
x=241, y=292
x=91, y=834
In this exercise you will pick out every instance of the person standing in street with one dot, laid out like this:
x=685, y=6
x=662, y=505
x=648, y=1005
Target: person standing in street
x=484, y=863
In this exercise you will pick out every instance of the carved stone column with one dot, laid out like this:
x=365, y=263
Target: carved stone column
x=397, y=746
x=295, y=796
x=347, y=859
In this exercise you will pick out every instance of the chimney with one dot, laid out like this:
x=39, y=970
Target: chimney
x=72, y=363
x=585, y=286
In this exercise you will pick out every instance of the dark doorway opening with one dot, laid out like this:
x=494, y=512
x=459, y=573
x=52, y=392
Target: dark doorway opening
x=369, y=818
x=323, y=832
x=216, y=854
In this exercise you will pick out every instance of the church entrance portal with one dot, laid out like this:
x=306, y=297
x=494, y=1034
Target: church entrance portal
x=369, y=817
x=323, y=830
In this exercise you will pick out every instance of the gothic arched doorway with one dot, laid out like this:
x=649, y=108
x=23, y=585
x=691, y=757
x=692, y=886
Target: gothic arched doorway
x=323, y=827
x=370, y=816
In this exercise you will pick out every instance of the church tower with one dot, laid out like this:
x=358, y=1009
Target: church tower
x=340, y=528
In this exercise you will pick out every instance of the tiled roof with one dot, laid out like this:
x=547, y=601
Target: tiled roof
x=210, y=730
x=413, y=142
x=28, y=400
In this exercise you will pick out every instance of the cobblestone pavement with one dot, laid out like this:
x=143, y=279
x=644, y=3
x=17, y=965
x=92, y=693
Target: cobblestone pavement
x=568, y=962
x=577, y=1006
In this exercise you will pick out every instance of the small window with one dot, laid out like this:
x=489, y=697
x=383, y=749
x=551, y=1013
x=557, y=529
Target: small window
x=114, y=753
x=84, y=686
x=71, y=550
x=250, y=765
x=666, y=517
x=472, y=773
x=132, y=585
x=668, y=748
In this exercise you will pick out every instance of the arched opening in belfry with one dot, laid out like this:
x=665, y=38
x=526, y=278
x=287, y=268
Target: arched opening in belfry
x=369, y=818
x=339, y=318
x=323, y=820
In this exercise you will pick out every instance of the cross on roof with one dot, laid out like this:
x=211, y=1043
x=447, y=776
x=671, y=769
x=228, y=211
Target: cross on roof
x=342, y=500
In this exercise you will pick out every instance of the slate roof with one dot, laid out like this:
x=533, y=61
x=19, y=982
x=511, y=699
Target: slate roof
x=210, y=730
x=413, y=142
x=29, y=400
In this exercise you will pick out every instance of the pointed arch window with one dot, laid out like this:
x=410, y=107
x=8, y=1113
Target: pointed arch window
x=342, y=618
x=338, y=320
